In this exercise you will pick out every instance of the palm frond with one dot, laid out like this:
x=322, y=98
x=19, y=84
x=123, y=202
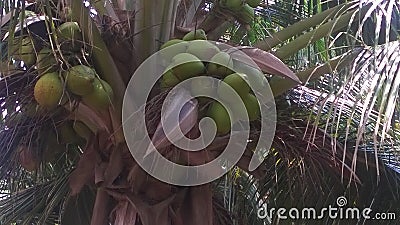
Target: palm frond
x=41, y=203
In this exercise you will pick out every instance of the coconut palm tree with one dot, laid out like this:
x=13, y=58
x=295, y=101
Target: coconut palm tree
x=332, y=68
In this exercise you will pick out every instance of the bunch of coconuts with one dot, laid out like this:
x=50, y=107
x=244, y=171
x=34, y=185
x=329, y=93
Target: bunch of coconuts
x=184, y=63
x=58, y=81
x=81, y=81
x=243, y=10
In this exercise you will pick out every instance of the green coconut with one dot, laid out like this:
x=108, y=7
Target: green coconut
x=250, y=112
x=198, y=34
x=202, y=49
x=101, y=97
x=185, y=65
x=71, y=34
x=179, y=46
x=169, y=79
x=220, y=65
x=237, y=81
x=246, y=14
x=253, y=3
x=46, y=62
x=252, y=106
x=48, y=90
x=202, y=87
x=239, y=112
x=221, y=118
x=70, y=31
x=171, y=42
x=256, y=77
x=80, y=79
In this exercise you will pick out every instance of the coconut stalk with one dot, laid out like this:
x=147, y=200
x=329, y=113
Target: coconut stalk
x=281, y=85
x=144, y=39
x=167, y=24
x=314, y=35
x=151, y=30
x=301, y=26
x=103, y=62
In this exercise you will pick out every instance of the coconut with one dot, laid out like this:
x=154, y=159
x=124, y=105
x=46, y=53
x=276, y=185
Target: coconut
x=186, y=65
x=246, y=14
x=202, y=49
x=198, y=34
x=169, y=79
x=80, y=79
x=179, y=46
x=71, y=33
x=239, y=112
x=101, y=96
x=256, y=77
x=48, y=90
x=70, y=30
x=253, y=3
x=238, y=82
x=171, y=42
x=221, y=118
x=220, y=65
x=250, y=112
x=202, y=87
x=252, y=106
